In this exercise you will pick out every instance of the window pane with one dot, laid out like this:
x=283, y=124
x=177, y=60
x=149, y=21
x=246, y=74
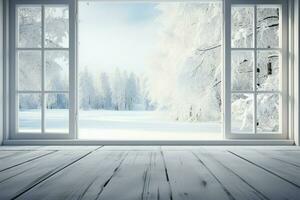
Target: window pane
x=29, y=26
x=56, y=26
x=57, y=113
x=29, y=70
x=242, y=27
x=29, y=113
x=268, y=70
x=242, y=113
x=267, y=27
x=242, y=70
x=267, y=113
x=57, y=70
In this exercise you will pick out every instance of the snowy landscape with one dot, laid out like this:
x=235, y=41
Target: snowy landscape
x=149, y=70
x=169, y=79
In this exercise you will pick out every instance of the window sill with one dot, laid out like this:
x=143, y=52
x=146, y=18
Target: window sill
x=148, y=142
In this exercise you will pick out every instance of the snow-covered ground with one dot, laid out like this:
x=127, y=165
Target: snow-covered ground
x=121, y=125
x=56, y=121
x=142, y=125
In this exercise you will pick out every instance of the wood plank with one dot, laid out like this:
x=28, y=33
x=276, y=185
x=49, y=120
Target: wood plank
x=20, y=158
x=70, y=148
x=236, y=186
x=7, y=154
x=189, y=179
x=131, y=148
x=134, y=175
x=19, y=148
x=289, y=157
x=17, y=180
x=265, y=147
x=285, y=171
x=270, y=186
x=141, y=176
x=83, y=180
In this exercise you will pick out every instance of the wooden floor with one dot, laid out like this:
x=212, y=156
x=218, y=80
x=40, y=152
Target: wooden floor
x=149, y=172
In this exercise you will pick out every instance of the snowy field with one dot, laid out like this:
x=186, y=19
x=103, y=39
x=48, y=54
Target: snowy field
x=142, y=125
x=56, y=121
x=121, y=125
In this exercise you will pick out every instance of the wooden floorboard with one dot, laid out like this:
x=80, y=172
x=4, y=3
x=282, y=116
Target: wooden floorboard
x=265, y=183
x=237, y=187
x=285, y=171
x=20, y=157
x=19, y=179
x=149, y=172
x=83, y=180
x=190, y=179
x=140, y=176
x=289, y=157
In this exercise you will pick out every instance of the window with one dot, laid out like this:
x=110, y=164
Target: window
x=161, y=68
x=258, y=62
x=42, y=68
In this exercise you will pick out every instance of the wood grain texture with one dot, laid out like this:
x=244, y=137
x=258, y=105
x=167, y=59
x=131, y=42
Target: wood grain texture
x=17, y=180
x=83, y=180
x=269, y=185
x=237, y=187
x=141, y=176
x=285, y=171
x=149, y=173
x=290, y=157
x=190, y=179
x=20, y=157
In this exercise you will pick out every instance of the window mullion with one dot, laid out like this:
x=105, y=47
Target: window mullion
x=43, y=71
x=227, y=68
x=254, y=70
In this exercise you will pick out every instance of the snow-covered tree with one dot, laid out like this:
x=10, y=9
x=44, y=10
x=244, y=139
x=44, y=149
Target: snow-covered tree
x=186, y=76
x=86, y=90
x=267, y=68
x=105, y=90
x=29, y=62
x=130, y=92
x=118, y=90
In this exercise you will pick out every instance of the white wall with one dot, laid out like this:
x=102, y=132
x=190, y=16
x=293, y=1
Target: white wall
x=1, y=71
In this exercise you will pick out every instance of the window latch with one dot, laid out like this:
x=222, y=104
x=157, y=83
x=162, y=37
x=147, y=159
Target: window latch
x=270, y=71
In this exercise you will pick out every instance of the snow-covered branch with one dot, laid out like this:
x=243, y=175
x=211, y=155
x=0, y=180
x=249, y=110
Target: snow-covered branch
x=209, y=48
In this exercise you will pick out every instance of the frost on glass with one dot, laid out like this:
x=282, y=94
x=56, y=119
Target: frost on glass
x=242, y=23
x=29, y=26
x=29, y=70
x=268, y=71
x=267, y=113
x=242, y=113
x=29, y=113
x=56, y=27
x=267, y=27
x=57, y=70
x=242, y=70
x=57, y=113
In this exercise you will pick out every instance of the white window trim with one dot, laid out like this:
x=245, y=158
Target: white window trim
x=295, y=7
x=227, y=71
x=1, y=71
x=13, y=122
x=294, y=119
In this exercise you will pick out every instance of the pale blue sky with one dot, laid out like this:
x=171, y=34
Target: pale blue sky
x=117, y=34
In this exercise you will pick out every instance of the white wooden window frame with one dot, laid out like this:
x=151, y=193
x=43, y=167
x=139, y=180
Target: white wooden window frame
x=283, y=48
x=13, y=122
x=289, y=124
